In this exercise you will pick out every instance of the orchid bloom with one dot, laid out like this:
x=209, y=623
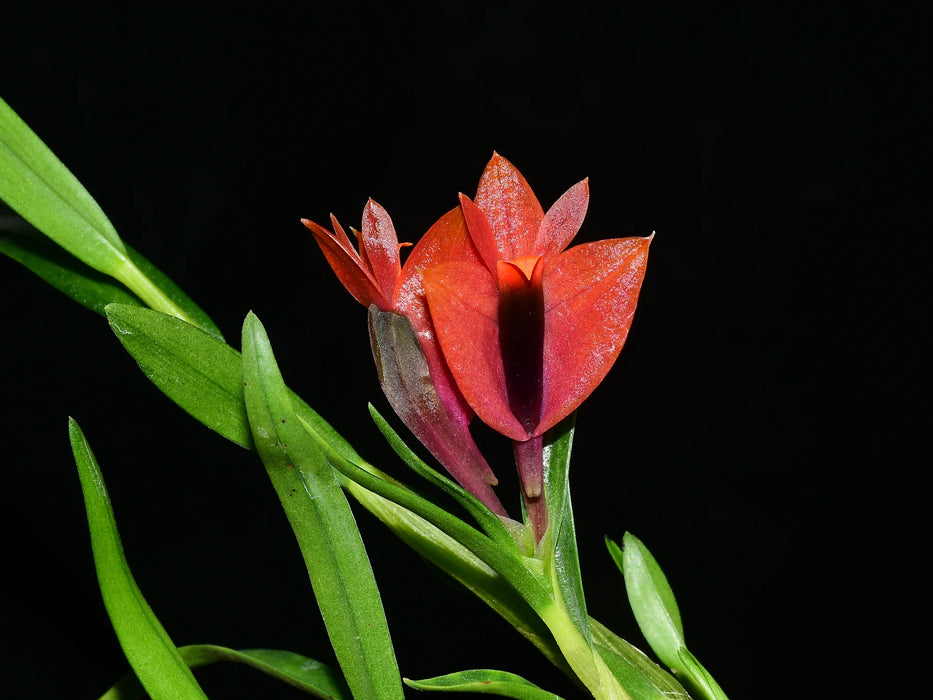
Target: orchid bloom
x=530, y=329
x=412, y=370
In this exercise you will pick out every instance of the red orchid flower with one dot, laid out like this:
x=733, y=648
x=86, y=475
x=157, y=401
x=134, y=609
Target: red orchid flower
x=530, y=329
x=412, y=370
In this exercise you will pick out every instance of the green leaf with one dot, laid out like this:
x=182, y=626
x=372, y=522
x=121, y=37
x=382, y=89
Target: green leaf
x=41, y=189
x=320, y=516
x=485, y=681
x=565, y=565
x=311, y=676
x=658, y=617
x=200, y=373
x=194, y=369
x=148, y=648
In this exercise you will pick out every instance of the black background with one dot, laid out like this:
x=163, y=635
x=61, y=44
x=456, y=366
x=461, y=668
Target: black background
x=771, y=149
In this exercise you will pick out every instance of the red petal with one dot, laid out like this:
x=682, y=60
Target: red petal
x=446, y=241
x=480, y=232
x=380, y=245
x=464, y=308
x=511, y=208
x=590, y=294
x=346, y=264
x=563, y=220
x=341, y=236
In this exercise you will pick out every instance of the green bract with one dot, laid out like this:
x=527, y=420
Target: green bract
x=658, y=617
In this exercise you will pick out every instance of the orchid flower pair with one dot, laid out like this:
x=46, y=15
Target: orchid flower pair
x=491, y=316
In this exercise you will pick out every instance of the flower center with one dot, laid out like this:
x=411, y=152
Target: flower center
x=521, y=336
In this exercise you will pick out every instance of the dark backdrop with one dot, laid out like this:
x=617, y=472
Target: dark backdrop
x=771, y=150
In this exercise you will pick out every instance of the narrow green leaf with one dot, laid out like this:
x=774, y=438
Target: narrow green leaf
x=194, y=369
x=311, y=676
x=486, y=681
x=148, y=648
x=201, y=374
x=324, y=526
x=41, y=189
x=565, y=566
x=484, y=517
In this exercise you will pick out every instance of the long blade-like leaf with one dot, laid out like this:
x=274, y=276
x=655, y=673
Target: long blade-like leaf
x=313, y=677
x=486, y=681
x=42, y=190
x=148, y=648
x=196, y=370
x=200, y=373
x=320, y=516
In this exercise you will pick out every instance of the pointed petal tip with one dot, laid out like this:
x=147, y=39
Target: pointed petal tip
x=497, y=160
x=372, y=204
x=315, y=228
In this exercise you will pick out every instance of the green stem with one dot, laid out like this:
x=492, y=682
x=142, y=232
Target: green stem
x=581, y=656
x=145, y=289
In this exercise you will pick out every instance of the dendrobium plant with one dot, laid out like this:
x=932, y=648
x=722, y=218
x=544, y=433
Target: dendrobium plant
x=491, y=316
